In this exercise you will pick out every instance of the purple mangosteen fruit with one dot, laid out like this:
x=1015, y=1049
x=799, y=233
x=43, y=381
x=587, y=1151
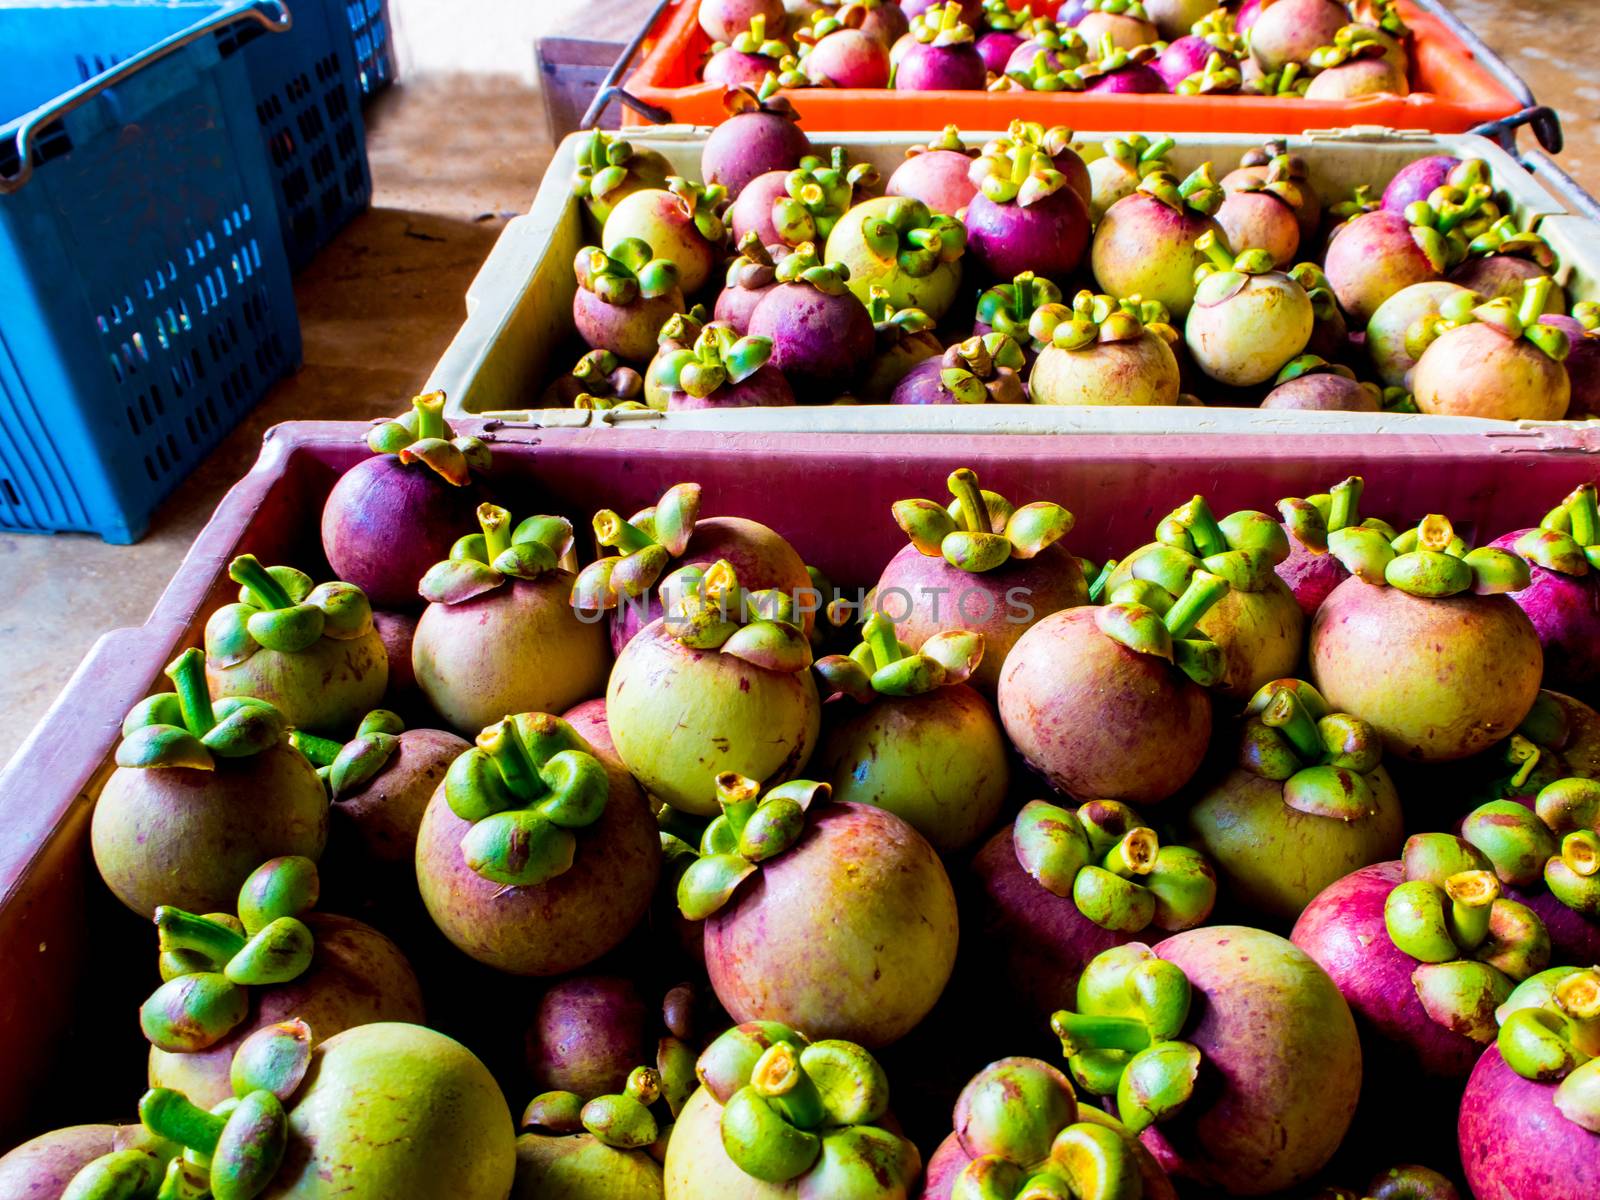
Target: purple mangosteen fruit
x=1026, y=216
x=1528, y=1139
x=391, y=517
x=822, y=335
x=498, y=634
x=1009, y=307
x=535, y=855
x=1359, y=61
x=972, y=11
x=1417, y=180
x=1249, y=320
x=1288, y=31
x=1563, y=595
x=747, y=1134
x=1272, y=162
x=1502, y=258
x=671, y=532
x=399, y=631
x=610, y=168
x=1378, y=253
x=1124, y=165
x=1116, y=70
x=936, y=174
x=849, y=925
x=1311, y=571
x=1123, y=22
x=1004, y=29
x=226, y=978
x=720, y=683
x=906, y=341
x=761, y=134
x=1217, y=75
x=308, y=650
x=41, y=1169
x=1110, y=702
x=678, y=223
x=1047, y=62
x=202, y=794
x=942, y=55
x=1228, y=1049
x=600, y=375
x=1583, y=356
x=1311, y=383
x=750, y=277
x=1387, y=340
x=723, y=20
x=983, y=369
x=1495, y=359
x=1423, y=643
x=838, y=51
x=900, y=246
x=747, y=59
x=1255, y=626
x=904, y=733
x=587, y=1035
x=1099, y=351
x=1264, y=213
x=1307, y=803
x=1064, y=885
x=623, y=298
x=722, y=370
x=1018, y=1124
x=980, y=564
x=1145, y=243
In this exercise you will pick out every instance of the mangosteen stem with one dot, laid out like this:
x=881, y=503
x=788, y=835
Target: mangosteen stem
x=1286, y=714
x=170, y=1114
x=179, y=930
x=1134, y=854
x=878, y=633
x=611, y=530
x=265, y=591
x=1580, y=850
x=1343, y=502
x=1204, y=590
x=320, y=751
x=502, y=742
x=430, y=415
x=188, y=675
x=496, y=525
x=1197, y=517
x=1582, y=512
x=1097, y=588
x=1534, y=294
x=779, y=1076
x=1080, y=1033
x=739, y=798
x=1211, y=246
x=964, y=487
x=1472, y=895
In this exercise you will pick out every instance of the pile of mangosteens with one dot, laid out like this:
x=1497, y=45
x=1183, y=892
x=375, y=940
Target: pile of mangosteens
x=1094, y=274
x=1255, y=859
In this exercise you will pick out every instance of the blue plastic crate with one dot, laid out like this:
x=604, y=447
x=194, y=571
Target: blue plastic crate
x=147, y=305
x=373, y=37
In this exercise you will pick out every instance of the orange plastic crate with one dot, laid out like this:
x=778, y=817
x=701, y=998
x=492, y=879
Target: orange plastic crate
x=1454, y=92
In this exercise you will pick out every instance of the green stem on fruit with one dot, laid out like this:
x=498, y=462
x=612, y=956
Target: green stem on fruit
x=1344, y=500
x=964, y=487
x=1288, y=715
x=1211, y=246
x=739, y=798
x=1472, y=895
x=1534, y=294
x=1134, y=854
x=1580, y=850
x=496, y=525
x=1196, y=516
x=188, y=675
x=502, y=742
x=1082, y=1032
x=430, y=415
x=779, y=1076
x=320, y=751
x=179, y=930
x=878, y=633
x=1583, y=515
x=265, y=592
x=611, y=530
x=1204, y=590
x=171, y=1115
x=1097, y=587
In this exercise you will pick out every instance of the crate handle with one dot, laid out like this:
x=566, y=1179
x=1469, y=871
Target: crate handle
x=1541, y=118
x=609, y=88
x=1564, y=185
x=271, y=14
x=1546, y=125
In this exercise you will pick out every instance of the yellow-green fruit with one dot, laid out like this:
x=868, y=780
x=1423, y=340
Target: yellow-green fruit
x=936, y=761
x=933, y=293
x=389, y=1111
x=581, y=1168
x=325, y=688
x=1139, y=372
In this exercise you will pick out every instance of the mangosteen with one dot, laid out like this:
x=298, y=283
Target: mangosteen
x=1026, y=215
x=1145, y=243
x=606, y=1145
x=943, y=55
x=1418, y=179
x=1376, y=254
x=1249, y=319
x=1358, y=61
x=1389, y=345
x=41, y=1168
x=610, y=168
x=1100, y=351
x=722, y=370
x=838, y=51
x=678, y=223
x=1118, y=70
x=936, y=174
x=1502, y=259
x=1563, y=595
x=906, y=340
x=1124, y=165
x=750, y=276
x=1311, y=383
x=723, y=19
x=822, y=335
x=1531, y=1139
x=902, y=247
x=1583, y=356
x=1288, y=31
x=1496, y=359
x=1004, y=29
x=1047, y=62
x=1310, y=571
x=624, y=298
x=1264, y=212
x=747, y=59
x=1216, y=76
x=761, y=134
x=599, y=374
x=1122, y=23
x=980, y=370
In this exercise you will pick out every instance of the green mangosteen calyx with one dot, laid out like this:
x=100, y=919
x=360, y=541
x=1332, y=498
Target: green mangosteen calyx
x=208, y=962
x=884, y=666
x=1009, y=307
x=585, y=402
x=1381, y=14
x=185, y=729
x=706, y=609
x=1429, y=561
x=984, y=369
x=344, y=767
x=1199, y=192
x=1050, y=70
x=942, y=26
x=754, y=40
x=481, y=562
x=1351, y=44
x=1472, y=944
x=1219, y=31
x=1312, y=280
x=750, y=829
x=793, y=1108
x=1568, y=539
x=645, y=544
x=1148, y=618
x=605, y=163
x=1557, y=842
x=753, y=268
x=897, y=326
x=719, y=357
x=1224, y=274
x=702, y=204
x=632, y=1119
x=1282, y=182
x=423, y=436
x=789, y=75
x=802, y=265
x=1016, y=171
x=627, y=274
x=913, y=237
x=1550, y=1033
x=1218, y=77
x=1358, y=202
x=980, y=530
x=948, y=139
x=1449, y=218
x=1311, y=519
x=1123, y=1039
x=1292, y=79
x=764, y=97
x=279, y=608
x=1111, y=865
x=1114, y=58
x=1512, y=318
x=601, y=375
x=818, y=194
x=1323, y=759
x=999, y=16
x=1503, y=237
x=1093, y=319
x=1140, y=154
x=1244, y=548
x=527, y=787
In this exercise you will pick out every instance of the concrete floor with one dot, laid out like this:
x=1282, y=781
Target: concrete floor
x=453, y=157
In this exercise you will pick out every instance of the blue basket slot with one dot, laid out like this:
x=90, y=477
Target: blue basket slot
x=374, y=42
